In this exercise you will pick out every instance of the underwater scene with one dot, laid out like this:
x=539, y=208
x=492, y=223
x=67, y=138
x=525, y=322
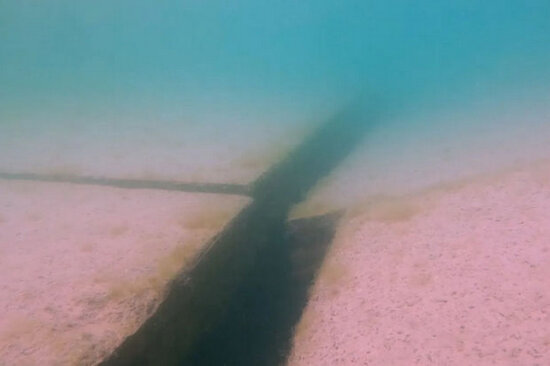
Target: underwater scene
x=274, y=183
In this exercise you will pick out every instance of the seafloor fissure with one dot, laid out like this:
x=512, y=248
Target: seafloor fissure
x=220, y=188
x=238, y=302
x=258, y=324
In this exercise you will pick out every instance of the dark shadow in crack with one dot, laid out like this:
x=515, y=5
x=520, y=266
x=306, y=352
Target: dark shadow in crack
x=258, y=325
x=222, y=188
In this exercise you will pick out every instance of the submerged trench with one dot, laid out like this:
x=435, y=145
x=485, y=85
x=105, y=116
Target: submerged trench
x=238, y=302
x=258, y=324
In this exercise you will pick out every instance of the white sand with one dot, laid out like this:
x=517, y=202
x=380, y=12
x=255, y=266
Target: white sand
x=81, y=267
x=452, y=276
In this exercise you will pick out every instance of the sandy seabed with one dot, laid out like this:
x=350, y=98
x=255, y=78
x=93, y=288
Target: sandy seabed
x=82, y=267
x=454, y=275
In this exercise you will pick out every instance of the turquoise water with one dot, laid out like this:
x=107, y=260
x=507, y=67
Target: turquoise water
x=160, y=61
x=103, y=49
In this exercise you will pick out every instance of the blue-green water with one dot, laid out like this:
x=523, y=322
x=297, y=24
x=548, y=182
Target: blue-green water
x=104, y=49
x=101, y=61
